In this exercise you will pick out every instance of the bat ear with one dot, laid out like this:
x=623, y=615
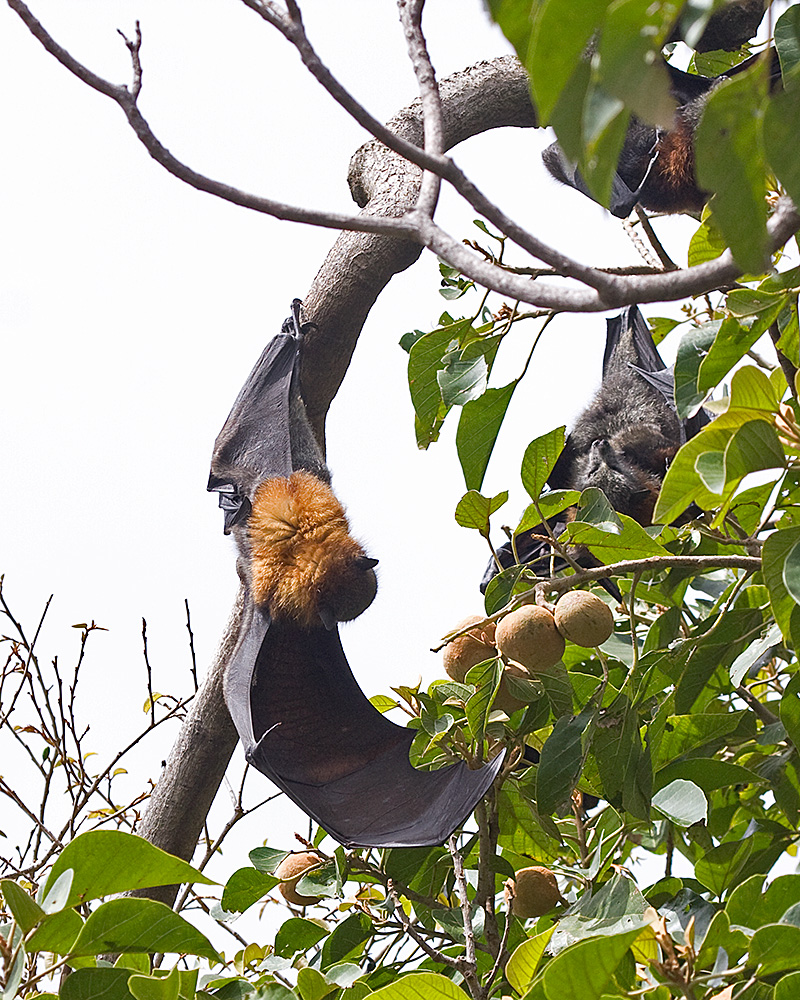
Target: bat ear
x=236, y=507
x=365, y=562
x=327, y=616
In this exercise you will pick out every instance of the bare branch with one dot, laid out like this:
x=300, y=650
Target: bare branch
x=411, y=19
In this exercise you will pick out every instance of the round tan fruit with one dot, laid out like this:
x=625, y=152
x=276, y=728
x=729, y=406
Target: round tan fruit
x=504, y=701
x=465, y=652
x=529, y=636
x=535, y=892
x=584, y=619
x=291, y=870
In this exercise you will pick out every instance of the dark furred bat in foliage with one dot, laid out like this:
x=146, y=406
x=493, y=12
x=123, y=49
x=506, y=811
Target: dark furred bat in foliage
x=301, y=716
x=623, y=441
x=656, y=167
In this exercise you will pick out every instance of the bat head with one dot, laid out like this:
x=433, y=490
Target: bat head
x=629, y=469
x=305, y=565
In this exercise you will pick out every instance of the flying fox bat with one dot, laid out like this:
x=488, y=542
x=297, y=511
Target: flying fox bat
x=623, y=441
x=656, y=167
x=301, y=716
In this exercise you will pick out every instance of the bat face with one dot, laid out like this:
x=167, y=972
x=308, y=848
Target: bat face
x=300, y=714
x=624, y=440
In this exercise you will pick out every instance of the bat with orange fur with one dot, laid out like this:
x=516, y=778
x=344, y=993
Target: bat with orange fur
x=301, y=716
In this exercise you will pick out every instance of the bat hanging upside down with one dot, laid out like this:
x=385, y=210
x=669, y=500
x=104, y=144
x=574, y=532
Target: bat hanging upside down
x=301, y=716
x=656, y=167
x=622, y=443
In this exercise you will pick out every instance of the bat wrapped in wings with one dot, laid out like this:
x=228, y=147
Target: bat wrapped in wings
x=301, y=716
x=656, y=167
x=622, y=443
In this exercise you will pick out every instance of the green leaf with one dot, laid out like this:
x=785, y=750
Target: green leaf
x=682, y=802
x=477, y=432
x=383, y=702
x=630, y=64
x=616, y=746
x=539, y=460
x=595, y=509
x=744, y=661
x=791, y=572
x=707, y=773
x=790, y=710
x=347, y=940
x=692, y=352
x=312, y=985
x=616, y=907
x=155, y=987
x=720, y=867
x=775, y=948
x=96, y=984
x=486, y=678
x=56, y=933
x=777, y=547
x=752, y=398
x=421, y=986
x=730, y=345
x=462, y=379
x=297, y=935
x=24, y=908
x=244, y=888
x=267, y=859
x=560, y=763
x=584, y=970
x=707, y=244
x=560, y=32
x=787, y=42
x=788, y=987
x=140, y=925
x=687, y=732
x=750, y=907
x=474, y=510
x=425, y=359
x=633, y=542
x=730, y=160
x=605, y=125
x=106, y=862
x=780, y=132
x=524, y=962
x=273, y=991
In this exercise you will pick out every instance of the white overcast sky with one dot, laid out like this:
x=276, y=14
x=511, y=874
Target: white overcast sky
x=133, y=307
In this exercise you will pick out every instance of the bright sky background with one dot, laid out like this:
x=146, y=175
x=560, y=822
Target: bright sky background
x=133, y=308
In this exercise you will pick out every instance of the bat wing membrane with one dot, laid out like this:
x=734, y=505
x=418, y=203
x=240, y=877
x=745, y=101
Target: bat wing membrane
x=306, y=724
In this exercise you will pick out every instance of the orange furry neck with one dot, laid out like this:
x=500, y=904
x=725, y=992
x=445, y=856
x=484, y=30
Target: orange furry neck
x=303, y=558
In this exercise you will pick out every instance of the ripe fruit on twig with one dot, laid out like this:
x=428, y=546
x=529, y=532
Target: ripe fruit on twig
x=529, y=636
x=535, y=892
x=291, y=870
x=465, y=652
x=584, y=619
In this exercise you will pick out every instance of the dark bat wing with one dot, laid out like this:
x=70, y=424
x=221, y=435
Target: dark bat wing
x=267, y=431
x=307, y=725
